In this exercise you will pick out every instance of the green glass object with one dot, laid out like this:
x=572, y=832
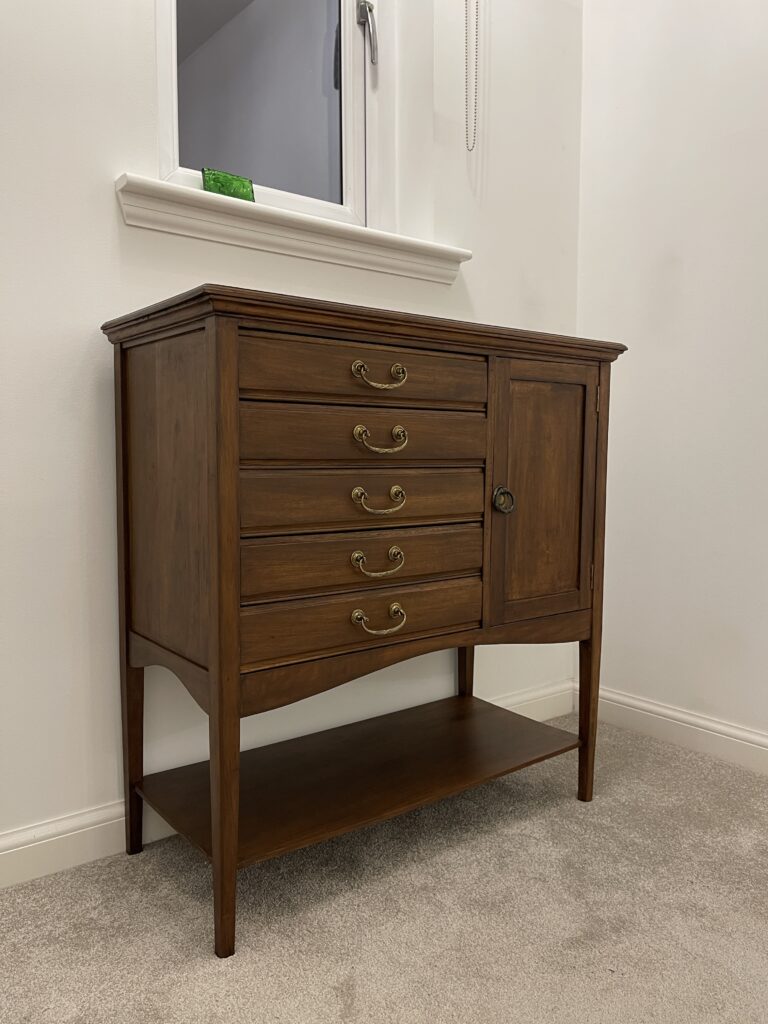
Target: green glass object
x=227, y=184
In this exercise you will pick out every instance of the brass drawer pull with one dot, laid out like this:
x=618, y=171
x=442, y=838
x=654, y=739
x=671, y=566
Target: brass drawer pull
x=396, y=493
x=361, y=434
x=503, y=500
x=394, y=555
x=397, y=371
x=359, y=618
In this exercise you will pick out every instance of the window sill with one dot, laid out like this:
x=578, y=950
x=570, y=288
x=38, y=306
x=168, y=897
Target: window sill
x=179, y=210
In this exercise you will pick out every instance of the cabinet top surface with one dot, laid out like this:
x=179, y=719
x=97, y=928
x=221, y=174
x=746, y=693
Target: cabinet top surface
x=295, y=314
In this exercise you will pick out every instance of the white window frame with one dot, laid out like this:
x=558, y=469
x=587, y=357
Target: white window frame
x=385, y=132
x=352, y=210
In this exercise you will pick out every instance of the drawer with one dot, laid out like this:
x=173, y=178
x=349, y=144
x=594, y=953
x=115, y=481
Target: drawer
x=287, y=366
x=284, y=566
x=297, y=630
x=280, y=501
x=277, y=430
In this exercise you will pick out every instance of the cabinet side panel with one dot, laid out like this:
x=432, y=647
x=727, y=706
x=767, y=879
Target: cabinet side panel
x=167, y=434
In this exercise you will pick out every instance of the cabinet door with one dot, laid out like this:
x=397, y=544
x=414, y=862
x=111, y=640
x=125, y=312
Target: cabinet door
x=544, y=454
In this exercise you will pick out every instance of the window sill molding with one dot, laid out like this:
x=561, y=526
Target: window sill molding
x=180, y=210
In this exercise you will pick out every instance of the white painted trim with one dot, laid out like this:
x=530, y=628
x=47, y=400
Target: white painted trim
x=167, y=87
x=65, y=842
x=65, y=825
x=539, y=702
x=353, y=115
x=712, y=736
x=163, y=206
x=380, y=135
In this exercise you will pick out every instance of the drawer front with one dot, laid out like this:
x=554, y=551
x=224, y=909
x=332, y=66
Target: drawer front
x=297, y=630
x=283, y=501
x=288, y=366
x=289, y=431
x=280, y=567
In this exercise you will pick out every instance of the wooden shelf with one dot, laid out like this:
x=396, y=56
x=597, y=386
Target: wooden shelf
x=301, y=791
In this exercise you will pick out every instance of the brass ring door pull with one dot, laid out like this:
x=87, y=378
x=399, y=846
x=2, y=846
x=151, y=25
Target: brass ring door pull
x=394, y=554
x=361, y=433
x=396, y=493
x=396, y=611
x=396, y=371
x=503, y=500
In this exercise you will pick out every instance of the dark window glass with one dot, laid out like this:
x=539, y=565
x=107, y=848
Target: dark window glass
x=259, y=92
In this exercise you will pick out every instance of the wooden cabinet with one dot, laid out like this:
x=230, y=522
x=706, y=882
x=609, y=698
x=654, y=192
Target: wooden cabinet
x=308, y=492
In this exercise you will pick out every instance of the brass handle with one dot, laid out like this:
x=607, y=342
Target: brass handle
x=394, y=555
x=361, y=434
x=397, y=371
x=396, y=493
x=503, y=500
x=359, y=618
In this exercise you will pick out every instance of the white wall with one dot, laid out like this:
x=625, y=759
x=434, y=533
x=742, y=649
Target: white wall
x=79, y=108
x=673, y=261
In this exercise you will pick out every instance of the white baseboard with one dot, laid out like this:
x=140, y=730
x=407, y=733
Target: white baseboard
x=540, y=702
x=724, y=740
x=73, y=839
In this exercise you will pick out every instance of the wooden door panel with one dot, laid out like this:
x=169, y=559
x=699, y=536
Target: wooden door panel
x=296, y=566
x=286, y=432
x=541, y=552
x=322, y=500
x=546, y=437
x=317, y=368
x=284, y=631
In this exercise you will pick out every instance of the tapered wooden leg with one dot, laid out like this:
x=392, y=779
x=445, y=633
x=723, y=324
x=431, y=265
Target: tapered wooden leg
x=466, y=664
x=224, y=641
x=131, y=678
x=589, y=686
x=225, y=802
x=589, y=650
x=132, y=691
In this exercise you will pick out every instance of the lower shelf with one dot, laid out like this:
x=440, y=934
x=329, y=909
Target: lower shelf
x=301, y=791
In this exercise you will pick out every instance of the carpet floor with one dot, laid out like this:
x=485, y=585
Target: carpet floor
x=510, y=903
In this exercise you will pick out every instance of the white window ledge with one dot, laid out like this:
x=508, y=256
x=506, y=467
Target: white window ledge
x=180, y=210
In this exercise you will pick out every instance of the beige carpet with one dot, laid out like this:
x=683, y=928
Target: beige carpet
x=511, y=903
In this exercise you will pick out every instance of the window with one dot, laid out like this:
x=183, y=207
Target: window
x=274, y=92
x=283, y=92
